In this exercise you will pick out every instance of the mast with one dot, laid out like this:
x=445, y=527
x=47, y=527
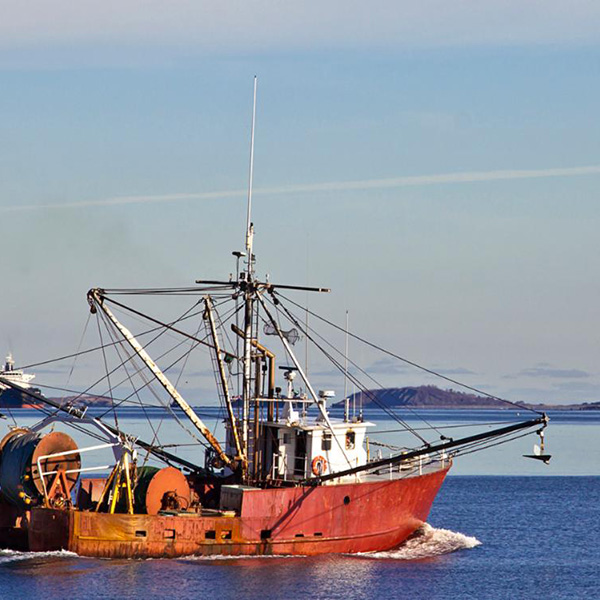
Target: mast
x=346, y=362
x=249, y=226
x=223, y=381
x=248, y=288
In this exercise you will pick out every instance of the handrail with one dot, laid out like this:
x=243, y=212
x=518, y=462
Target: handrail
x=42, y=473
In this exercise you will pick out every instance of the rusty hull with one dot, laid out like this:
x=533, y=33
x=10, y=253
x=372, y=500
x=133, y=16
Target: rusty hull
x=13, y=527
x=355, y=517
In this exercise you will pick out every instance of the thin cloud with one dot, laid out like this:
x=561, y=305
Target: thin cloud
x=332, y=186
x=120, y=200
x=329, y=373
x=199, y=373
x=571, y=392
x=388, y=366
x=455, y=371
x=58, y=370
x=549, y=372
x=582, y=387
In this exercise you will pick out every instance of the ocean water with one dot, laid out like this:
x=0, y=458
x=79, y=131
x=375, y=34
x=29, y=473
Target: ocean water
x=488, y=537
x=572, y=437
x=501, y=527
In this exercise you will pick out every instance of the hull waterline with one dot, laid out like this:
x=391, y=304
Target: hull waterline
x=342, y=518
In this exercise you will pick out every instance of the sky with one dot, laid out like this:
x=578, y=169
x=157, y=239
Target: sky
x=436, y=164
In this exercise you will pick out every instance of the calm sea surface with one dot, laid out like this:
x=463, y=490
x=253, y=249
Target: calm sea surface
x=501, y=527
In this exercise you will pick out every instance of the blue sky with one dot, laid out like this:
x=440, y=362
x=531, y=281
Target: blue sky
x=125, y=134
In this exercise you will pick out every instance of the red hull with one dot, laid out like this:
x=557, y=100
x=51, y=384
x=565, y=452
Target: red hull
x=357, y=517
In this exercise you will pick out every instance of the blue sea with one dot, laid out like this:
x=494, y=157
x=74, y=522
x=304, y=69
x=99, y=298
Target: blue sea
x=530, y=532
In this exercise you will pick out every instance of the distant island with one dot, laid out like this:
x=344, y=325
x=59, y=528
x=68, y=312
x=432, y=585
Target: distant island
x=17, y=399
x=429, y=396
x=424, y=396
x=84, y=400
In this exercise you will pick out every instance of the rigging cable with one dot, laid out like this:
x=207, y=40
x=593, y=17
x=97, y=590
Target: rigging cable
x=98, y=381
x=362, y=387
x=81, y=394
x=340, y=367
x=154, y=431
x=499, y=442
x=414, y=364
x=151, y=319
x=459, y=426
x=87, y=322
x=140, y=369
x=112, y=401
x=148, y=382
x=96, y=348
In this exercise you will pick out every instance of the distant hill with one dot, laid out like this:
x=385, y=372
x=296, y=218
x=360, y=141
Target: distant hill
x=84, y=400
x=429, y=396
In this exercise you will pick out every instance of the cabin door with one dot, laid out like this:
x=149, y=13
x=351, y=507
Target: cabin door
x=300, y=456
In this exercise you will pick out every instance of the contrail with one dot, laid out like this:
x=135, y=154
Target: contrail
x=331, y=186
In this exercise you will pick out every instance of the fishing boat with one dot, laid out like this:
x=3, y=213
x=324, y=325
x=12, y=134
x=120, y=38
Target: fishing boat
x=287, y=477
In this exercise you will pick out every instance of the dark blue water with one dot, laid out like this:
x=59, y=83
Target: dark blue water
x=578, y=417
x=538, y=538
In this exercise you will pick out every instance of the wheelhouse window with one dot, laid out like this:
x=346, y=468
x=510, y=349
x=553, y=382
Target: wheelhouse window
x=350, y=439
x=326, y=441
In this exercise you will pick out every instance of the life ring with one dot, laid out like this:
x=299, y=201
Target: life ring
x=319, y=465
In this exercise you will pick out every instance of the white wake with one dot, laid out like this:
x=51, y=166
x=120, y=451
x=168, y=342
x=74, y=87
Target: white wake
x=7, y=556
x=427, y=542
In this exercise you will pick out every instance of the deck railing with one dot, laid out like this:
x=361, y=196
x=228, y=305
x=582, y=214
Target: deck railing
x=44, y=474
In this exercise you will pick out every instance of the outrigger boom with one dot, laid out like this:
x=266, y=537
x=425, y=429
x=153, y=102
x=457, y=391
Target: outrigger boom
x=77, y=413
x=430, y=448
x=96, y=301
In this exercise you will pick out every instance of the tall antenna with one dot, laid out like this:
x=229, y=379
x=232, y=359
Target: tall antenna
x=306, y=340
x=346, y=361
x=249, y=227
x=247, y=372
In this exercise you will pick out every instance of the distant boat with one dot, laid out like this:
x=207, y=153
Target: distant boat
x=11, y=397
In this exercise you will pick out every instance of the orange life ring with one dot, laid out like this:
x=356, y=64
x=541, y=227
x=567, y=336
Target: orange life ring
x=319, y=465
